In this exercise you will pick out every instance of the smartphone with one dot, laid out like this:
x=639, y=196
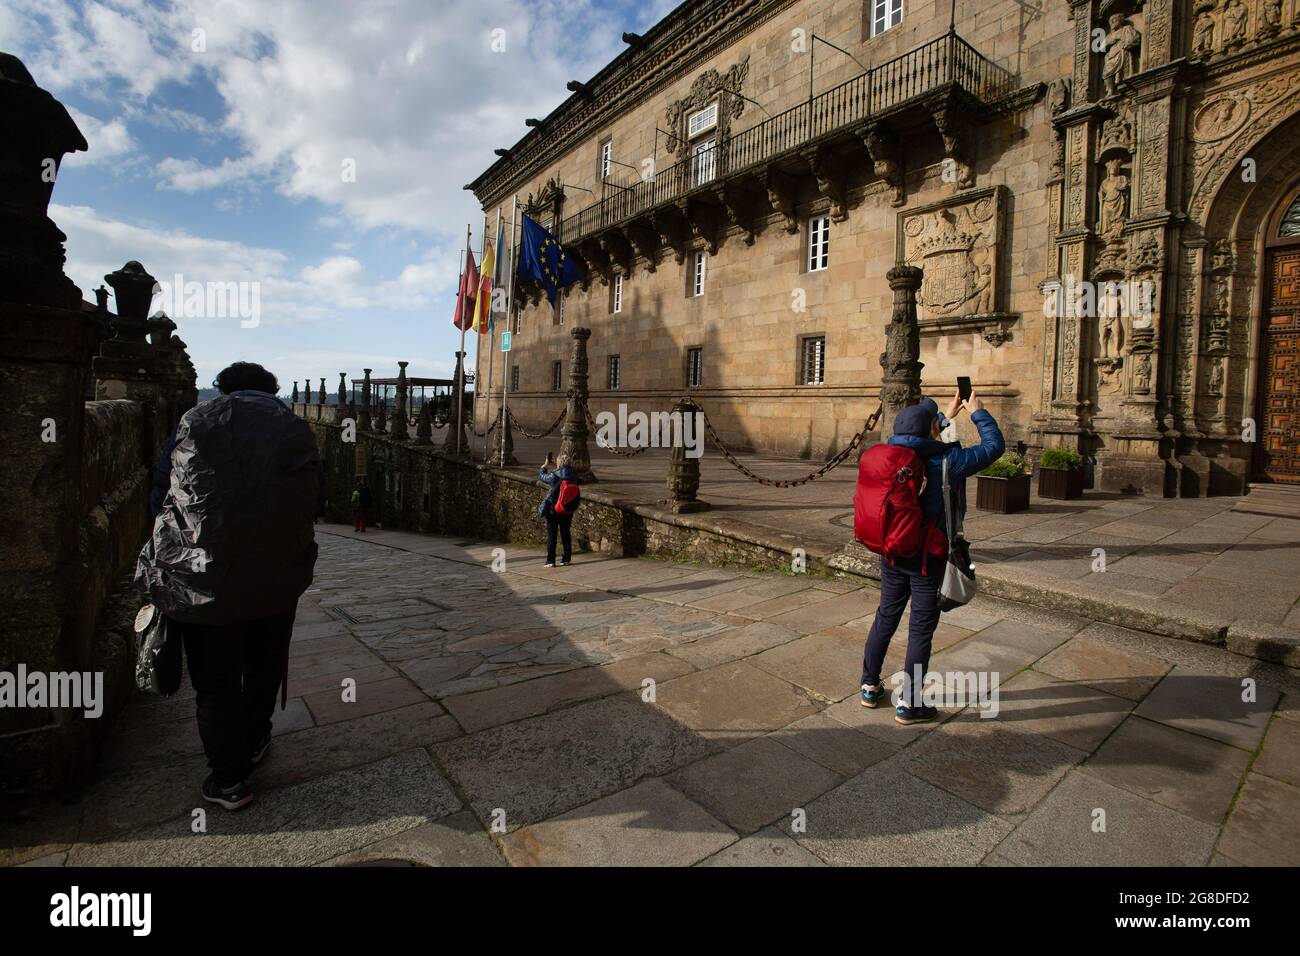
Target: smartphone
x=963, y=387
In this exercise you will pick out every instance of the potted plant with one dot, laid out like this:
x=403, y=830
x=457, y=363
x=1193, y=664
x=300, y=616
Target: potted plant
x=1060, y=474
x=1003, y=487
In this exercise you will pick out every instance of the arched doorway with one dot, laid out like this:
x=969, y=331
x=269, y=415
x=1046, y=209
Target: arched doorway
x=1278, y=405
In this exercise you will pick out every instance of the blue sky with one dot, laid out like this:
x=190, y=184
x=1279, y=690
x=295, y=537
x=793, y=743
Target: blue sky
x=222, y=132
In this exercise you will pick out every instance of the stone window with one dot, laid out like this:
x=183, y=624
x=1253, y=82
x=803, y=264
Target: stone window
x=615, y=373
x=699, y=267
x=557, y=375
x=694, y=361
x=606, y=158
x=704, y=161
x=517, y=321
x=885, y=14
x=812, y=366
x=514, y=378
x=616, y=294
x=819, y=242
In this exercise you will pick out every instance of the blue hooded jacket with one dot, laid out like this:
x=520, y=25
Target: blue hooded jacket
x=553, y=479
x=962, y=463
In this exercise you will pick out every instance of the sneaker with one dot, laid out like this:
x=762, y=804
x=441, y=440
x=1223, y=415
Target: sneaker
x=260, y=750
x=231, y=798
x=550, y=564
x=872, y=698
x=914, y=715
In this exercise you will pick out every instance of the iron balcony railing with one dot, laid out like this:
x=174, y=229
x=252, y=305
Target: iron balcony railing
x=947, y=60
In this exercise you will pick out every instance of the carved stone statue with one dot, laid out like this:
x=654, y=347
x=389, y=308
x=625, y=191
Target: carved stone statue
x=1112, y=325
x=1203, y=30
x=1142, y=374
x=1235, y=19
x=1272, y=21
x=1216, y=378
x=1114, y=201
x=1123, y=43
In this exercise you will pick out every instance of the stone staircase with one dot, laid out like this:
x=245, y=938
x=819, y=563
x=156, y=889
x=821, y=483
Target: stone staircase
x=1277, y=500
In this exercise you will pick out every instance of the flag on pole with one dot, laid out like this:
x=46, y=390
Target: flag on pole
x=464, y=317
x=483, y=296
x=541, y=257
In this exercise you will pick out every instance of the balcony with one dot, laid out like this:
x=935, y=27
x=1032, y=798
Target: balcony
x=945, y=78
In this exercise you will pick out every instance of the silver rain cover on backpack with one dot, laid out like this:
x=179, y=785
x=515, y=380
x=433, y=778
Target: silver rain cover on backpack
x=958, y=573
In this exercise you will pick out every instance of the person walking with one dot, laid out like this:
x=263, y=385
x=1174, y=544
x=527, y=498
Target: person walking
x=918, y=578
x=231, y=551
x=361, y=499
x=561, y=501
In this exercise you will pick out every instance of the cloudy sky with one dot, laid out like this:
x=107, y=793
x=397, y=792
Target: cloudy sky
x=314, y=147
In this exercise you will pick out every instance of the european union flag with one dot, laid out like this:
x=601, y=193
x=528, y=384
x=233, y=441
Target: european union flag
x=541, y=257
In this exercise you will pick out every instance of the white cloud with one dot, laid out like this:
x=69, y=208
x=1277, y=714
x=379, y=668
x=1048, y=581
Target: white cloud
x=107, y=141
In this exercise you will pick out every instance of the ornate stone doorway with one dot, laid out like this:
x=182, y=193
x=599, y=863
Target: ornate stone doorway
x=1278, y=455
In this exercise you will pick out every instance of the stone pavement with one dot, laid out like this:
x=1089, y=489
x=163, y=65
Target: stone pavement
x=632, y=711
x=1192, y=568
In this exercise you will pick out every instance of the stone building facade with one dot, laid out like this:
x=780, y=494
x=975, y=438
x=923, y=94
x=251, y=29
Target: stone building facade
x=1101, y=194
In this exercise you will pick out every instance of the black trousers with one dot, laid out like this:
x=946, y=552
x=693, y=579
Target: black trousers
x=236, y=671
x=898, y=583
x=562, y=524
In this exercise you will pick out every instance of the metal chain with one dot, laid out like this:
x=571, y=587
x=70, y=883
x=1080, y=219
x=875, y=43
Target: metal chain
x=491, y=428
x=609, y=448
x=793, y=482
x=527, y=434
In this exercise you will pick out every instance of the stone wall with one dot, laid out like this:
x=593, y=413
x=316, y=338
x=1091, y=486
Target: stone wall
x=419, y=488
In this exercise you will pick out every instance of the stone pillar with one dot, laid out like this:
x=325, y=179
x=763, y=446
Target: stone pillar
x=457, y=442
x=505, y=448
x=424, y=429
x=306, y=395
x=364, y=423
x=574, y=431
x=293, y=396
x=683, y=470
x=381, y=417
x=900, y=362
x=343, y=389
x=320, y=396
x=398, y=424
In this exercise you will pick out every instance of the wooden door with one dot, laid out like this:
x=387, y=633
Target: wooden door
x=1280, y=371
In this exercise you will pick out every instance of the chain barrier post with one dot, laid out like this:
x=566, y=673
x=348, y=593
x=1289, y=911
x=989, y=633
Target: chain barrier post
x=504, y=455
x=684, y=470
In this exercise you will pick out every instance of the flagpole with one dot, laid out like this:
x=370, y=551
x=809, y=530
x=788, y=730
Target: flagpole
x=492, y=335
x=510, y=311
x=460, y=365
x=478, y=334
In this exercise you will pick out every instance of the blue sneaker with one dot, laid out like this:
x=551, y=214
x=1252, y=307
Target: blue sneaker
x=231, y=798
x=914, y=715
x=872, y=698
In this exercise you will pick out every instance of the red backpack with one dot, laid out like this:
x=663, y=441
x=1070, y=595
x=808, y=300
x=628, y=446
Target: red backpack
x=567, y=501
x=887, y=515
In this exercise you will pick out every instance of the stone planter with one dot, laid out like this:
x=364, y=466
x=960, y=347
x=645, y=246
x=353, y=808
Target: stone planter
x=1002, y=495
x=1062, y=483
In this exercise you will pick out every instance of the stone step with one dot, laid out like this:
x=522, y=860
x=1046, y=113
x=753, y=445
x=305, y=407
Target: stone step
x=1276, y=500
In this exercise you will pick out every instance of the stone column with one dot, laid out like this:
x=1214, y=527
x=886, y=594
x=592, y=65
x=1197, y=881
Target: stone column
x=683, y=470
x=364, y=423
x=293, y=396
x=901, y=381
x=574, y=431
x=505, y=448
x=457, y=442
x=381, y=417
x=397, y=424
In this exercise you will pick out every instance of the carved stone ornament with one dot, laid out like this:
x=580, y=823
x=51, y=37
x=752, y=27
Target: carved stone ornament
x=706, y=87
x=1123, y=44
x=958, y=246
x=1116, y=135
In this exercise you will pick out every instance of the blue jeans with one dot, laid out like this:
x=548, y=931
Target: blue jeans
x=898, y=583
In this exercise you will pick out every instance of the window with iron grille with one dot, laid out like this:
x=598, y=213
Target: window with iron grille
x=812, y=369
x=697, y=274
x=557, y=376
x=616, y=293
x=885, y=14
x=559, y=307
x=704, y=162
x=694, y=361
x=819, y=242
x=516, y=322
x=514, y=378
x=615, y=374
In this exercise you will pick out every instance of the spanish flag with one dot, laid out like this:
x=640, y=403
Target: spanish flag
x=483, y=301
x=464, y=317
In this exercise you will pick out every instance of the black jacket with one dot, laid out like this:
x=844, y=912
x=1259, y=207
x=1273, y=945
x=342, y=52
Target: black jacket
x=233, y=540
